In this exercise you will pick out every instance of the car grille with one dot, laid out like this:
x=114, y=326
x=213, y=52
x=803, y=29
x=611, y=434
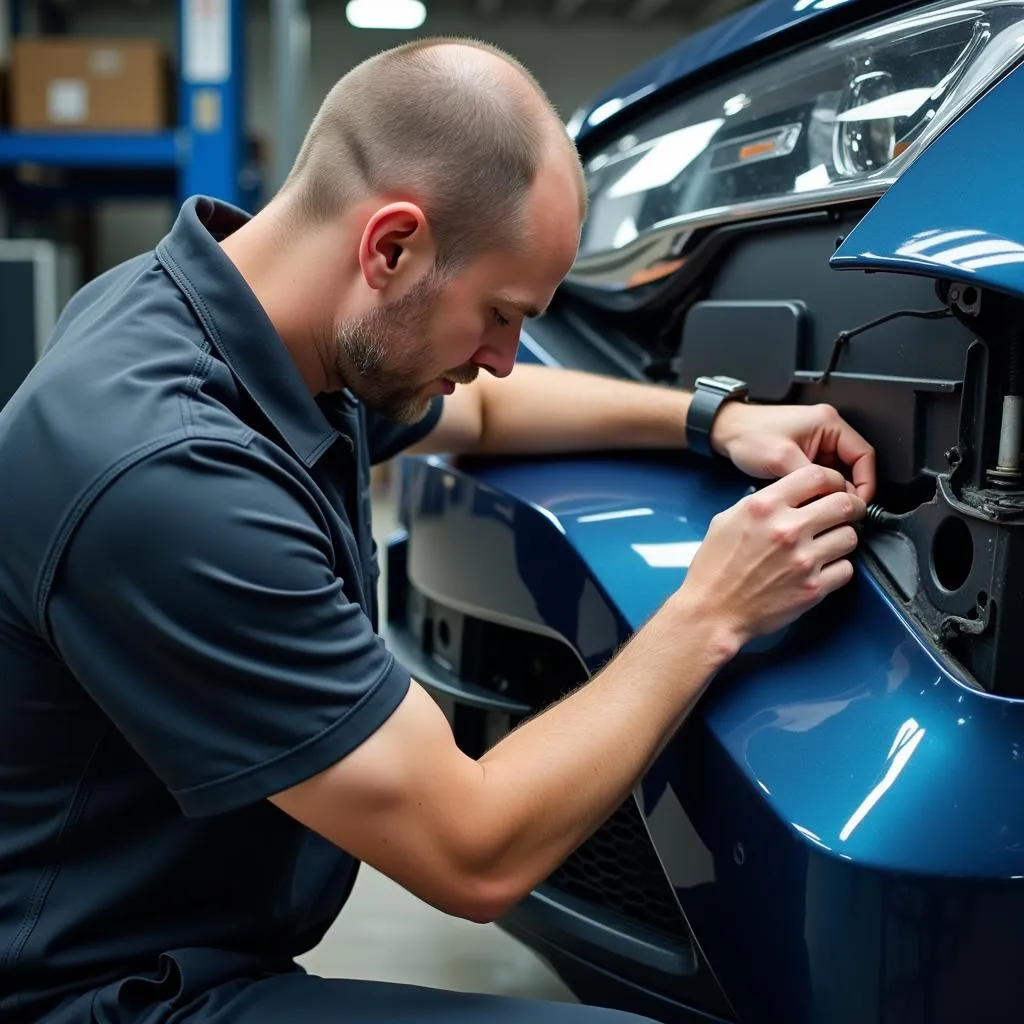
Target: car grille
x=618, y=869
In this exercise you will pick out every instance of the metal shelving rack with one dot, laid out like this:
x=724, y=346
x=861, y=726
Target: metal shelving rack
x=204, y=153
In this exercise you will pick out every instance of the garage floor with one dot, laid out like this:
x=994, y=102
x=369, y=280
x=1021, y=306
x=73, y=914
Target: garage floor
x=386, y=934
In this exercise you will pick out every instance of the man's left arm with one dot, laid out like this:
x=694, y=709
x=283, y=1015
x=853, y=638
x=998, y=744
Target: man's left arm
x=540, y=410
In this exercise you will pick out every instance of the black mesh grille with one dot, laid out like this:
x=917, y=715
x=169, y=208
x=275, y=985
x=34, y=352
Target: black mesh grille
x=618, y=869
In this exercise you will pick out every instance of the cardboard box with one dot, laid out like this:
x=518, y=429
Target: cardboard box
x=77, y=84
x=5, y=34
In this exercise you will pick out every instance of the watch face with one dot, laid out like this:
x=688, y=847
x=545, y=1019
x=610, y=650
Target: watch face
x=722, y=384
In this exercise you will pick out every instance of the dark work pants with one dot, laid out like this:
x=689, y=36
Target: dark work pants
x=305, y=999
x=319, y=1001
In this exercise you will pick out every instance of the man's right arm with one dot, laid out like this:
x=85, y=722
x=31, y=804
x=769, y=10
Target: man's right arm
x=473, y=837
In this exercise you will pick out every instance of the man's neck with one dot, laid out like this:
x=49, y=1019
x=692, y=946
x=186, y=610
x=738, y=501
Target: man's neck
x=291, y=275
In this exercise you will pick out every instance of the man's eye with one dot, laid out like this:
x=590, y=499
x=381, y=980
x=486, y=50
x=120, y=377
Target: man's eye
x=501, y=321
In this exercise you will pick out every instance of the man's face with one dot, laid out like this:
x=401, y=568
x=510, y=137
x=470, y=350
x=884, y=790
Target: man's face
x=387, y=356
x=445, y=329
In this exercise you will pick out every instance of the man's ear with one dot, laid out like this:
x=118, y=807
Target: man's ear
x=396, y=244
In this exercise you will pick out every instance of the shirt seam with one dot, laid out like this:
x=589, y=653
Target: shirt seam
x=167, y=260
x=193, y=383
x=353, y=712
x=45, y=881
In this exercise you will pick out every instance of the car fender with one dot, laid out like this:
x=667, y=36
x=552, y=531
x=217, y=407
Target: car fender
x=955, y=213
x=827, y=765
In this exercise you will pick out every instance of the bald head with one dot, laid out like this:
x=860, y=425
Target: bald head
x=456, y=126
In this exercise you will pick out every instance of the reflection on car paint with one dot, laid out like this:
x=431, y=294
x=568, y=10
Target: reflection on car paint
x=987, y=249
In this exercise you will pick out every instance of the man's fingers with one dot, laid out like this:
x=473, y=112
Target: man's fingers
x=836, y=509
x=860, y=457
x=835, y=544
x=864, y=479
x=806, y=484
x=834, y=576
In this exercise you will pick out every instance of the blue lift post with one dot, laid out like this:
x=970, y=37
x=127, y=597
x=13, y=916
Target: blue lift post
x=206, y=149
x=211, y=80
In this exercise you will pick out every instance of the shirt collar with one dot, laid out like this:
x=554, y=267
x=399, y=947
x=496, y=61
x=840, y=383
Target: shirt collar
x=238, y=327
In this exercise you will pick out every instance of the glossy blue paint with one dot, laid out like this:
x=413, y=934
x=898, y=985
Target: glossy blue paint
x=770, y=20
x=838, y=816
x=837, y=786
x=955, y=213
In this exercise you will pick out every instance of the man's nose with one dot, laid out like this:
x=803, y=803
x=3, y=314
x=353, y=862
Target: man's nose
x=497, y=360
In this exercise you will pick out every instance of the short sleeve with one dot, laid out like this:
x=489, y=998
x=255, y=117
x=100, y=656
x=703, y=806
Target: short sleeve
x=199, y=605
x=386, y=438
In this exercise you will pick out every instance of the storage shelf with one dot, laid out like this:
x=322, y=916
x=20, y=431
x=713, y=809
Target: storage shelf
x=205, y=152
x=78, y=149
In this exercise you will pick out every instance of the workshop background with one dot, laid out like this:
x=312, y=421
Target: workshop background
x=112, y=112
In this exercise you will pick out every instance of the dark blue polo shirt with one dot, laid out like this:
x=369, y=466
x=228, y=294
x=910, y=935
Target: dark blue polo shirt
x=187, y=626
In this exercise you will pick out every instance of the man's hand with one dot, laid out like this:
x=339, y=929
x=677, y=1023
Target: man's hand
x=775, y=554
x=770, y=441
x=474, y=837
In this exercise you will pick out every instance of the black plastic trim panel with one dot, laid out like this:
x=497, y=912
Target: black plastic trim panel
x=609, y=943
x=407, y=650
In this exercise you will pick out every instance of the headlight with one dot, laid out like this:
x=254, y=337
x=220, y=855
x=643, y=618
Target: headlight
x=836, y=121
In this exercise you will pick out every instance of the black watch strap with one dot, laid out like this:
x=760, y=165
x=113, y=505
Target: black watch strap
x=709, y=394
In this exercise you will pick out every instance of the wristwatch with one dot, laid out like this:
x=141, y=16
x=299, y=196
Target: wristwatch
x=709, y=393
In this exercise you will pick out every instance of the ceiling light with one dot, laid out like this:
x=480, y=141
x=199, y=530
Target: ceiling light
x=397, y=14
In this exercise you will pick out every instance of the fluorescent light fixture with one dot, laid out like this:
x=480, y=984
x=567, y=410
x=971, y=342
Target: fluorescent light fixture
x=396, y=14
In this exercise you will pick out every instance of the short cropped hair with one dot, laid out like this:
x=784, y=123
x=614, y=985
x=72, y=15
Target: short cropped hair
x=462, y=140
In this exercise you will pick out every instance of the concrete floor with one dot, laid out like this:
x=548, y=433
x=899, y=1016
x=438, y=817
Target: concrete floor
x=386, y=934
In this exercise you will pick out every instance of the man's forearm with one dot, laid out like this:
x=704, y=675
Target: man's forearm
x=541, y=409
x=550, y=784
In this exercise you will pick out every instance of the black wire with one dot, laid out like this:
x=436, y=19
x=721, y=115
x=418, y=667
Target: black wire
x=843, y=337
x=878, y=516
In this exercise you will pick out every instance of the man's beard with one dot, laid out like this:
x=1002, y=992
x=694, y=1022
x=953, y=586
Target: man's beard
x=382, y=355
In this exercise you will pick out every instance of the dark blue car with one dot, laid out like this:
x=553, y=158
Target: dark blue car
x=825, y=201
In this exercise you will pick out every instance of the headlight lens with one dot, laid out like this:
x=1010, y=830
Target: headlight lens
x=850, y=112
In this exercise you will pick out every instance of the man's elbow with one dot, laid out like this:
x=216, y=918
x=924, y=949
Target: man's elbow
x=482, y=899
x=482, y=881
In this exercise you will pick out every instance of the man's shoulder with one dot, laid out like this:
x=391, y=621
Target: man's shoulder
x=58, y=486
x=122, y=378
x=90, y=303
x=119, y=381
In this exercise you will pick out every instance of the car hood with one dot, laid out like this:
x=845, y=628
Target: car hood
x=768, y=22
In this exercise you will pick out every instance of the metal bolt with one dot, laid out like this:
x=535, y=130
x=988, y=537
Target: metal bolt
x=1011, y=430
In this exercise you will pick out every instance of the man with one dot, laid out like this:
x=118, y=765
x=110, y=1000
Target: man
x=201, y=733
